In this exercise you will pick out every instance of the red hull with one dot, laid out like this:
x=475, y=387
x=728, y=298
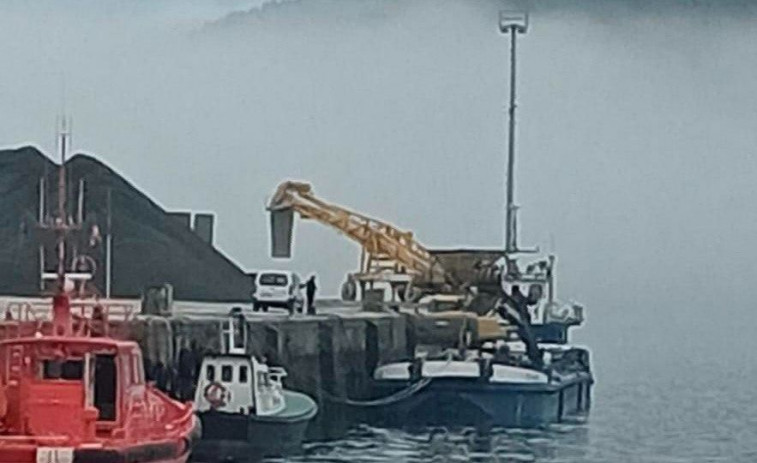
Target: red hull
x=70, y=398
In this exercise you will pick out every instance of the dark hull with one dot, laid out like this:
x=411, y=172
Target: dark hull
x=152, y=453
x=470, y=402
x=236, y=437
x=156, y=452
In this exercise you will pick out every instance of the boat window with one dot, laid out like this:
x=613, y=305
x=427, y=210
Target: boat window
x=210, y=373
x=273, y=279
x=226, y=373
x=105, y=387
x=59, y=369
x=243, y=373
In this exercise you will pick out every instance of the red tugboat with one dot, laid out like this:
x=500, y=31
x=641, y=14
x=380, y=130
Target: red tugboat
x=67, y=398
x=73, y=394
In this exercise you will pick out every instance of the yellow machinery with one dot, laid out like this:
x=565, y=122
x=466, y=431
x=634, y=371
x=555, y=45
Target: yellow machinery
x=443, y=310
x=389, y=255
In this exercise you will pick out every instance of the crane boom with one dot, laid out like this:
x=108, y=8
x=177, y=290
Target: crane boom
x=385, y=249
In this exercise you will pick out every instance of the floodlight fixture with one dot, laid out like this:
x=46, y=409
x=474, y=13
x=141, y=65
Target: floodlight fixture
x=516, y=21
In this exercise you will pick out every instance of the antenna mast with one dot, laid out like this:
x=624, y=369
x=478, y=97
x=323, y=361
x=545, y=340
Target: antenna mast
x=61, y=221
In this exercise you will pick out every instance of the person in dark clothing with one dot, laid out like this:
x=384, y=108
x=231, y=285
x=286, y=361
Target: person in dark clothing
x=173, y=383
x=310, y=293
x=161, y=375
x=99, y=323
x=187, y=368
x=197, y=356
x=149, y=368
x=521, y=303
x=522, y=320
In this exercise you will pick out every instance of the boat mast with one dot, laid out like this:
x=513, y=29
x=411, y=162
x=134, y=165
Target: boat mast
x=41, y=223
x=61, y=311
x=61, y=222
x=108, y=248
x=513, y=24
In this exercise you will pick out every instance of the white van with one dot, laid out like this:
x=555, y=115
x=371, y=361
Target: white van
x=277, y=288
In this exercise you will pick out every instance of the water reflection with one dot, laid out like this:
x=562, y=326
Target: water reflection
x=556, y=443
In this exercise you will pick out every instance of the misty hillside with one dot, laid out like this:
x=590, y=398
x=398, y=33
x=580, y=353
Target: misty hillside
x=149, y=246
x=370, y=12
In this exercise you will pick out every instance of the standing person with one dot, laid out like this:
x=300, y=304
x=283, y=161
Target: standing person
x=99, y=323
x=186, y=373
x=310, y=293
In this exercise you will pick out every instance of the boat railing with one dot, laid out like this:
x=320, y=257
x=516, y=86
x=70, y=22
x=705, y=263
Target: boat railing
x=84, y=308
x=277, y=374
x=19, y=311
x=24, y=318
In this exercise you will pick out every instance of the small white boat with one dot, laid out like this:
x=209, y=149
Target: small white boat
x=246, y=411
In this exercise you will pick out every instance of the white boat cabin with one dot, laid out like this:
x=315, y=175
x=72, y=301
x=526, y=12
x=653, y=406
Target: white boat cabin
x=460, y=369
x=235, y=382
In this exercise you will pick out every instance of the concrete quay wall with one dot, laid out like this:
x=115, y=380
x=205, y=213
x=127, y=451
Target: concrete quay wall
x=329, y=357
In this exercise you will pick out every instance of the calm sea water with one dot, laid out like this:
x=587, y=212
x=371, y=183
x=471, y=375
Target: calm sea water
x=668, y=395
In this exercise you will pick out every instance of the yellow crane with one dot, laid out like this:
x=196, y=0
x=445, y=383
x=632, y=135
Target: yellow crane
x=389, y=255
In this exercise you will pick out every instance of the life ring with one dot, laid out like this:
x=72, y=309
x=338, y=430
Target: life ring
x=216, y=394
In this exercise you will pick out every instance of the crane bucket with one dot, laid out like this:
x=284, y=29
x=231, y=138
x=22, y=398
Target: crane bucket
x=281, y=209
x=282, y=225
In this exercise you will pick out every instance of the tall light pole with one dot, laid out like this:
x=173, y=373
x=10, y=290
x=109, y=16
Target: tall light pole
x=512, y=23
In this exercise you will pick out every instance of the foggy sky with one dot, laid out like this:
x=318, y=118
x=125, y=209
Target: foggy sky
x=635, y=131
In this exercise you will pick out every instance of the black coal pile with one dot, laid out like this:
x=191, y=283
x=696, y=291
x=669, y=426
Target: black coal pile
x=149, y=247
